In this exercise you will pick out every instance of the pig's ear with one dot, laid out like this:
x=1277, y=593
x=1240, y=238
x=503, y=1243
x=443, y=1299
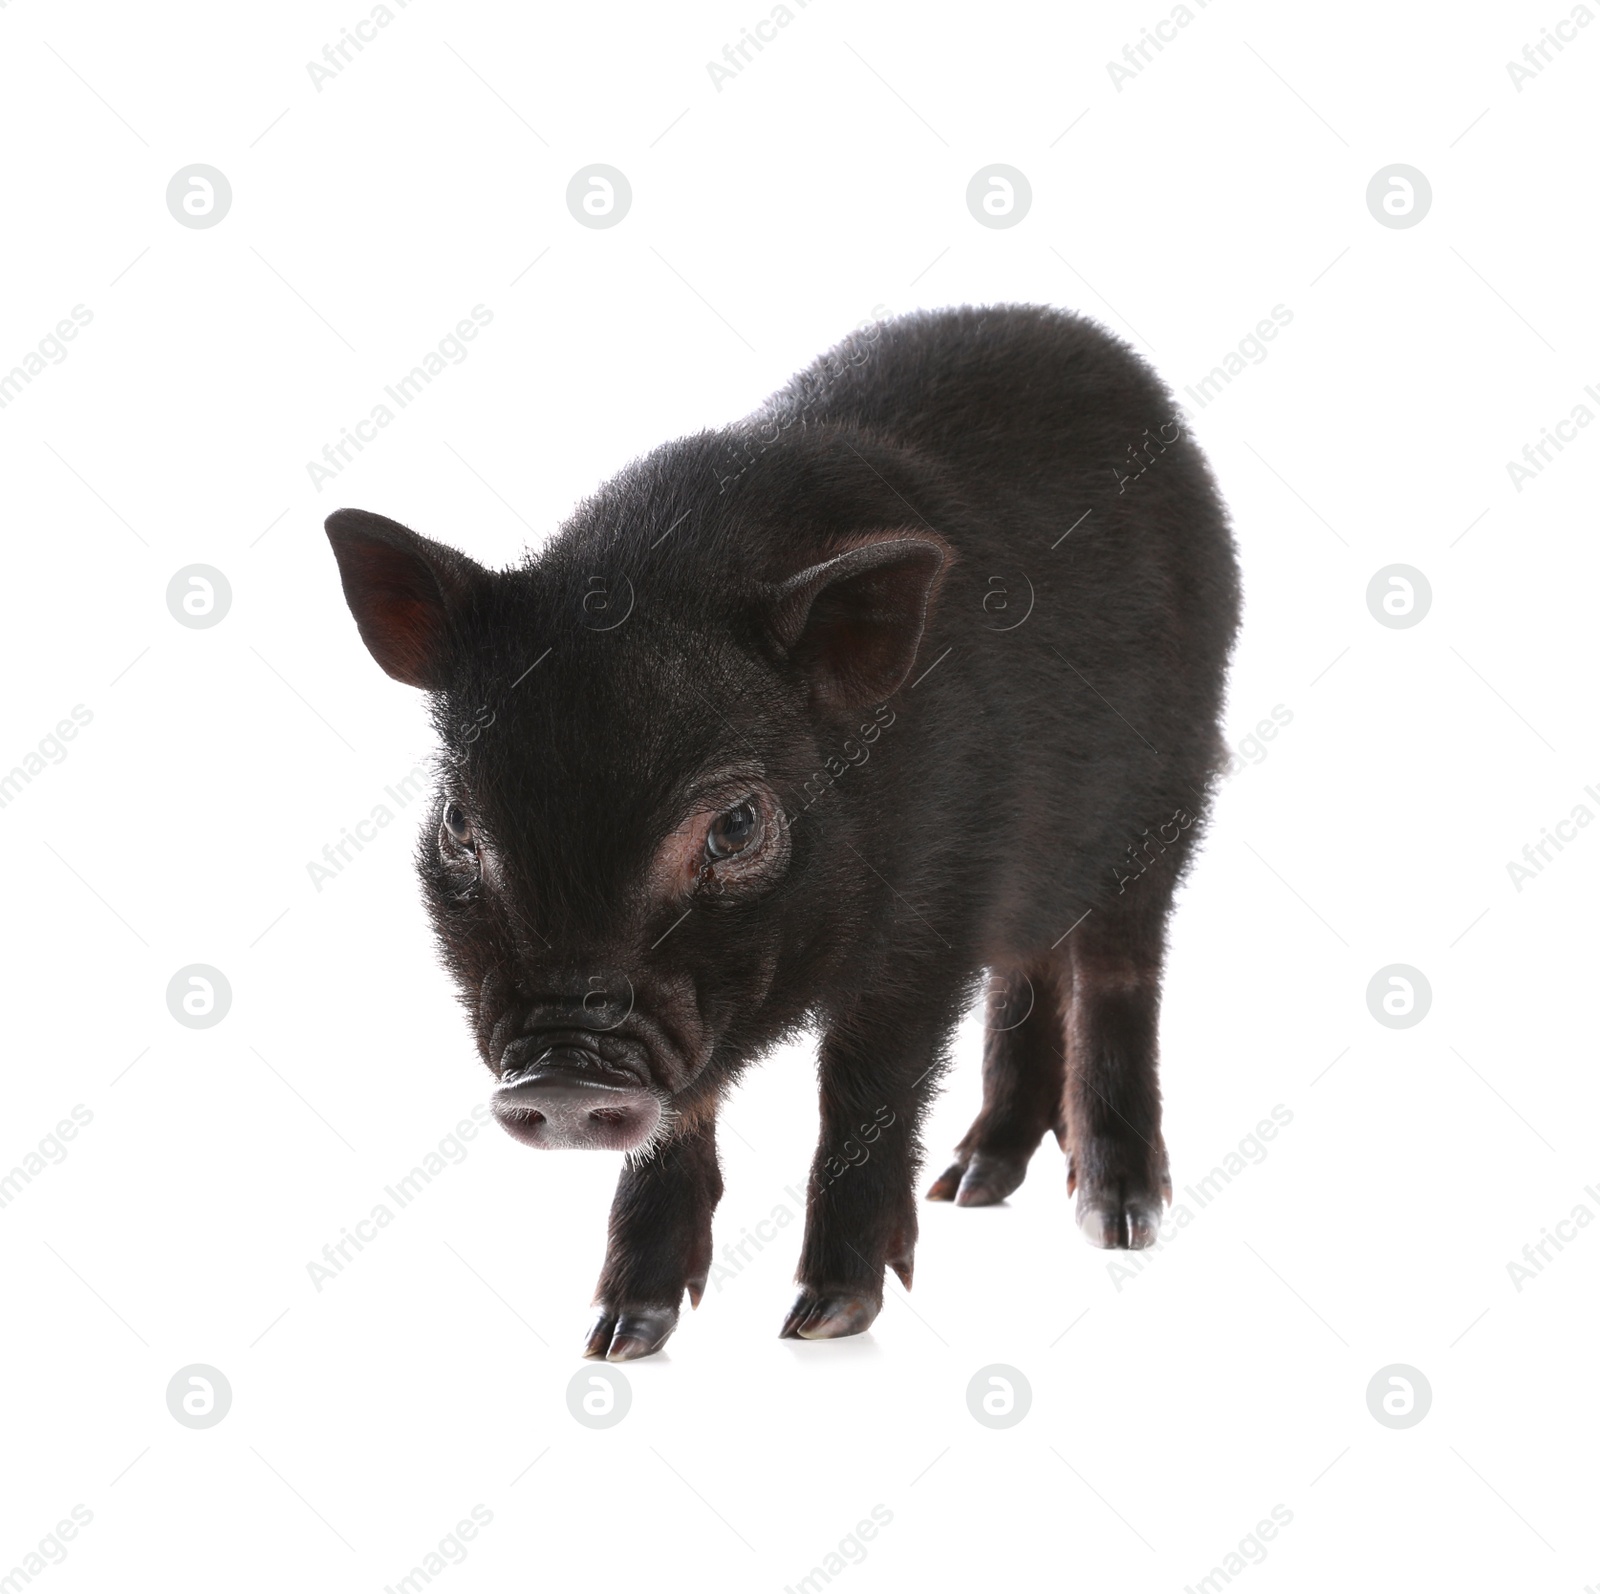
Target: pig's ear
x=402, y=590
x=852, y=624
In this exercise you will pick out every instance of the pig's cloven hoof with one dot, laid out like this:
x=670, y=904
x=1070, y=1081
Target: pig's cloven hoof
x=830, y=1315
x=980, y=1179
x=1120, y=1222
x=1121, y=1211
x=627, y=1333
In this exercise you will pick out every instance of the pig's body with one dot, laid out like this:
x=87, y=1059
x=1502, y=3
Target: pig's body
x=952, y=613
x=1096, y=717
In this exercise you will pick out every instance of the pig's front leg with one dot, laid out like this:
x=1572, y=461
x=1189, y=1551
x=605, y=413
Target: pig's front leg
x=660, y=1245
x=861, y=1213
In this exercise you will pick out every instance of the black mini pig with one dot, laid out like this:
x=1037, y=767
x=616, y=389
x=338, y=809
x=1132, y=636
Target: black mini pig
x=914, y=674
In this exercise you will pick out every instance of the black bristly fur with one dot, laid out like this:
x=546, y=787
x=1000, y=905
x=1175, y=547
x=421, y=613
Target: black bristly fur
x=962, y=597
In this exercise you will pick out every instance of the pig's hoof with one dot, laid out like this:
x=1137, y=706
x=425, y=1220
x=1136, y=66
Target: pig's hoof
x=1125, y=1222
x=626, y=1334
x=980, y=1179
x=828, y=1315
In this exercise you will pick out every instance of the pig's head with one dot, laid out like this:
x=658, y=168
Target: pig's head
x=621, y=871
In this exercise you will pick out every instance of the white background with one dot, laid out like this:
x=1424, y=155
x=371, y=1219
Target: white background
x=1170, y=1410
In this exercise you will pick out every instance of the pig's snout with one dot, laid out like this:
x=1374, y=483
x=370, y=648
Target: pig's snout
x=568, y=1100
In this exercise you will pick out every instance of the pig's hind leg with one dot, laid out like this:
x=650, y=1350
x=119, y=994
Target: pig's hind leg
x=659, y=1245
x=1117, y=1161
x=1024, y=1075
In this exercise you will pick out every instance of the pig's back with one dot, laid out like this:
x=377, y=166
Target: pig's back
x=974, y=386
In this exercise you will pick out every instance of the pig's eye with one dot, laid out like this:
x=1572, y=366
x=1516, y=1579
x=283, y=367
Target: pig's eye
x=458, y=826
x=734, y=831
x=726, y=853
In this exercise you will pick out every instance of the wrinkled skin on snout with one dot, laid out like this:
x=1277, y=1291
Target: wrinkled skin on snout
x=601, y=1031
x=911, y=678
